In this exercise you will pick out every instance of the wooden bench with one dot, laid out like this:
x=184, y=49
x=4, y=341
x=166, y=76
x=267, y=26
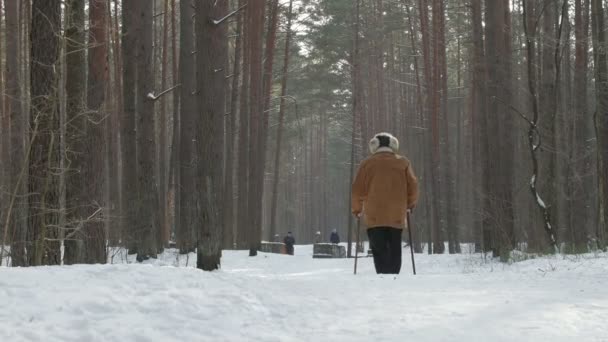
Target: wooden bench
x=328, y=251
x=272, y=247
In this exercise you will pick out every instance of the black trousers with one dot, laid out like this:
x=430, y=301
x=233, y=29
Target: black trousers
x=289, y=249
x=386, y=247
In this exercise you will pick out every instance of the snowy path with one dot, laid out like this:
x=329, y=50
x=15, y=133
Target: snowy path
x=282, y=298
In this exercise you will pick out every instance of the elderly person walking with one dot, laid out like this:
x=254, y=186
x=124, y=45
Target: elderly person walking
x=384, y=189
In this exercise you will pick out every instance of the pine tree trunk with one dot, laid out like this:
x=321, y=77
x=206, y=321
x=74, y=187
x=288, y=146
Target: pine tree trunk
x=5, y=185
x=243, y=183
x=129, y=188
x=548, y=105
x=582, y=200
x=278, y=147
x=600, y=59
x=175, y=160
x=256, y=106
x=498, y=207
x=76, y=133
x=162, y=146
x=210, y=74
x=44, y=127
x=356, y=90
x=438, y=178
x=17, y=179
x=148, y=218
x=231, y=135
x=189, y=201
x=95, y=241
x=114, y=124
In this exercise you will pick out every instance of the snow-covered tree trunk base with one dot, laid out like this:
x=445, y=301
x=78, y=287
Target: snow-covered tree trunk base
x=208, y=262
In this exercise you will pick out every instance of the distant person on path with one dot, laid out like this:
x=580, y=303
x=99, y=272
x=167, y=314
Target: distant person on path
x=334, y=237
x=289, y=241
x=318, y=237
x=384, y=189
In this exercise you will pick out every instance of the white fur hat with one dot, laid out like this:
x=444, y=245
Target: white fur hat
x=374, y=144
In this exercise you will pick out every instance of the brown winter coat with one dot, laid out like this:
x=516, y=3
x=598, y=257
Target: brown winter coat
x=384, y=189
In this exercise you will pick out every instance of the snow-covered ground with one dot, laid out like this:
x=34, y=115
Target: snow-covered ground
x=284, y=298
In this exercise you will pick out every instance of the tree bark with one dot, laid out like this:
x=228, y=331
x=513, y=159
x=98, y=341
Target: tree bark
x=231, y=135
x=44, y=126
x=210, y=75
x=277, y=158
x=114, y=125
x=600, y=59
x=5, y=185
x=256, y=106
x=129, y=154
x=583, y=193
x=478, y=98
x=175, y=161
x=148, y=218
x=18, y=211
x=95, y=241
x=243, y=182
x=76, y=132
x=189, y=201
x=498, y=207
x=162, y=145
x=548, y=107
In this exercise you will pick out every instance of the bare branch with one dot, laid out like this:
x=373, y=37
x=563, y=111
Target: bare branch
x=153, y=97
x=219, y=21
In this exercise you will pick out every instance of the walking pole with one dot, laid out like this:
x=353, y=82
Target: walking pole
x=357, y=245
x=409, y=231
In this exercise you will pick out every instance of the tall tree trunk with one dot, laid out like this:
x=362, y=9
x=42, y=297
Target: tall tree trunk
x=44, y=126
x=76, y=132
x=5, y=185
x=243, y=182
x=256, y=106
x=210, y=75
x=600, y=59
x=548, y=106
x=229, y=209
x=356, y=89
x=189, y=201
x=534, y=141
x=175, y=160
x=478, y=98
x=129, y=153
x=437, y=172
x=18, y=210
x=162, y=145
x=95, y=241
x=432, y=136
x=277, y=157
x=498, y=204
x=582, y=200
x=148, y=218
x=267, y=81
x=114, y=125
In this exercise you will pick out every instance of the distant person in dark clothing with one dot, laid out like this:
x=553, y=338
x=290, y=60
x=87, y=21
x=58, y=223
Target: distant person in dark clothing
x=289, y=241
x=334, y=238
